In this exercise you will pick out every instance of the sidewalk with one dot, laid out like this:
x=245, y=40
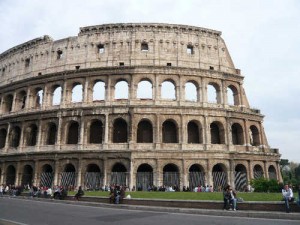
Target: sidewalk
x=211, y=212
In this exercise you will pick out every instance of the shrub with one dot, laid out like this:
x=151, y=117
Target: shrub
x=265, y=185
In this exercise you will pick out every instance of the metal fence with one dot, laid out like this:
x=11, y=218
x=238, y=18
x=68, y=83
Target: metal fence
x=144, y=180
x=171, y=179
x=196, y=179
x=240, y=181
x=93, y=180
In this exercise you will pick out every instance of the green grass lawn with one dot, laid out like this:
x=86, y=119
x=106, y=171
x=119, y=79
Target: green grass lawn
x=191, y=195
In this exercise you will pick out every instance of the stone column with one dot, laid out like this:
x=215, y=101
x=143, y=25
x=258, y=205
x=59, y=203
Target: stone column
x=79, y=173
x=7, y=144
x=56, y=173
x=231, y=173
x=36, y=179
x=86, y=93
x=106, y=129
x=250, y=170
x=18, y=174
x=209, y=173
x=14, y=102
x=40, y=133
x=266, y=170
x=105, y=175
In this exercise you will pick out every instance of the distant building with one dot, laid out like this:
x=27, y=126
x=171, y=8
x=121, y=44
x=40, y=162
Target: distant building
x=130, y=104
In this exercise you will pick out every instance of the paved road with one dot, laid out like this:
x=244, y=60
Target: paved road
x=15, y=211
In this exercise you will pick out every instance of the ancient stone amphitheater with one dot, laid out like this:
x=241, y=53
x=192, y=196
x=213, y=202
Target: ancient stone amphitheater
x=130, y=104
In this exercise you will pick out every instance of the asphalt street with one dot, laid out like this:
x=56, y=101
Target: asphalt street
x=25, y=211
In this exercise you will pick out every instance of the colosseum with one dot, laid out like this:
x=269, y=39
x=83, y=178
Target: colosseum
x=133, y=104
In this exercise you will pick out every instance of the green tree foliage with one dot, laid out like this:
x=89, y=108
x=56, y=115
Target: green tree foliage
x=265, y=185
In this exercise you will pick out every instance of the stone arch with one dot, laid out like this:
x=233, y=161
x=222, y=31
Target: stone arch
x=31, y=133
x=240, y=178
x=219, y=173
x=77, y=92
x=20, y=100
x=37, y=97
x=96, y=132
x=27, y=175
x=73, y=132
x=121, y=89
x=56, y=95
x=145, y=132
x=68, y=176
x=144, y=177
x=254, y=136
x=99, y=91
x=119, y=175
x=47, y=174
x=145, y=89
x=272, y=172
x=7, y=103
x=233, y=95
x=191, y=91
x=171, y=176
x=10, y=175
x=168, y=90
x=196, y=176
x=169, y=132
x=194, y=132
x=15, y=136
x=237, y=134
x=120, y=131
x=217, y=133
x=93, y=177
x=258, y=171
x=3, y=134
x=51, y=134
x=213, y=93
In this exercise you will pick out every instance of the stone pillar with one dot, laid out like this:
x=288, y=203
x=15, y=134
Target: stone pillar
x=79, y=173
x=65, y=95
x=106, y=129
x=105, y=175
x=231, y=180
x=18, y=174
x=59, y=130
x=86, y=93
x=40, y=133
x=81, y=133
x=209, y=173
x=206, y=132
x=266, y=170
x=14, y=102
x=7, y=144
x=56, y=173
x=3, y=173
x=225, y=94
x=36, y=178
x=250, y=170
x=1, y=106
x=131, y=175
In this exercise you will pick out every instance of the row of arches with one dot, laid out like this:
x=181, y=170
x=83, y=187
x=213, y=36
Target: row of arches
x=92, y=176
x=119, y=132
x=99, y=91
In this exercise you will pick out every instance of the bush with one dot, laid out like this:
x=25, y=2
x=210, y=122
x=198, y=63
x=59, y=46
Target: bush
x=265, y=185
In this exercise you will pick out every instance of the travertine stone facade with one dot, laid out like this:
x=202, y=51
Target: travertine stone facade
x=95, y=110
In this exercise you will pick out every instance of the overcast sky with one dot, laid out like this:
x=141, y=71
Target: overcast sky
x=263, y=38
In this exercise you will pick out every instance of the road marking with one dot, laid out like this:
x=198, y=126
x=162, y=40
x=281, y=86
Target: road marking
x=10, y=222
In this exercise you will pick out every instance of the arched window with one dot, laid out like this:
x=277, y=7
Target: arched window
x=15, y=137
x=258, y=172
x=99, y=91
x=96, y=132
x=169, y=131
x=217, y=133
x=171, y=176
x=193, y=133
x=3, y=134
x=145, y=132
x=237, y=134
x=51, y=134
x=144, y=90
x=240, y=179
x=121, y=90
x=190, y=92
x=56, y=99
x=21, y=100
x=254, y=136
x=77, y=93
x=120, y=131
x=168, y=90
x=219, y=176
x=232, y=95
x=38, y=98
x=31, y=135
x=7, y=103
x=213, y=93
x=272, y=172
x=73, y=133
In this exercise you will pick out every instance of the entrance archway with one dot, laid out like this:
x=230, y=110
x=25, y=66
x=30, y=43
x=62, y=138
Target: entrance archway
x=119, y=175
x=196, y=176
x=27, y=176
x=68, y=178
x=46, y=178
x=93, y=178
x=144, y=177
x=10, y=175
x=171, y=176
x=219, y=177
x=240, y=177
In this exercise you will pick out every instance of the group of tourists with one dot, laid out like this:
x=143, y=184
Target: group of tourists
x=10, y=190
